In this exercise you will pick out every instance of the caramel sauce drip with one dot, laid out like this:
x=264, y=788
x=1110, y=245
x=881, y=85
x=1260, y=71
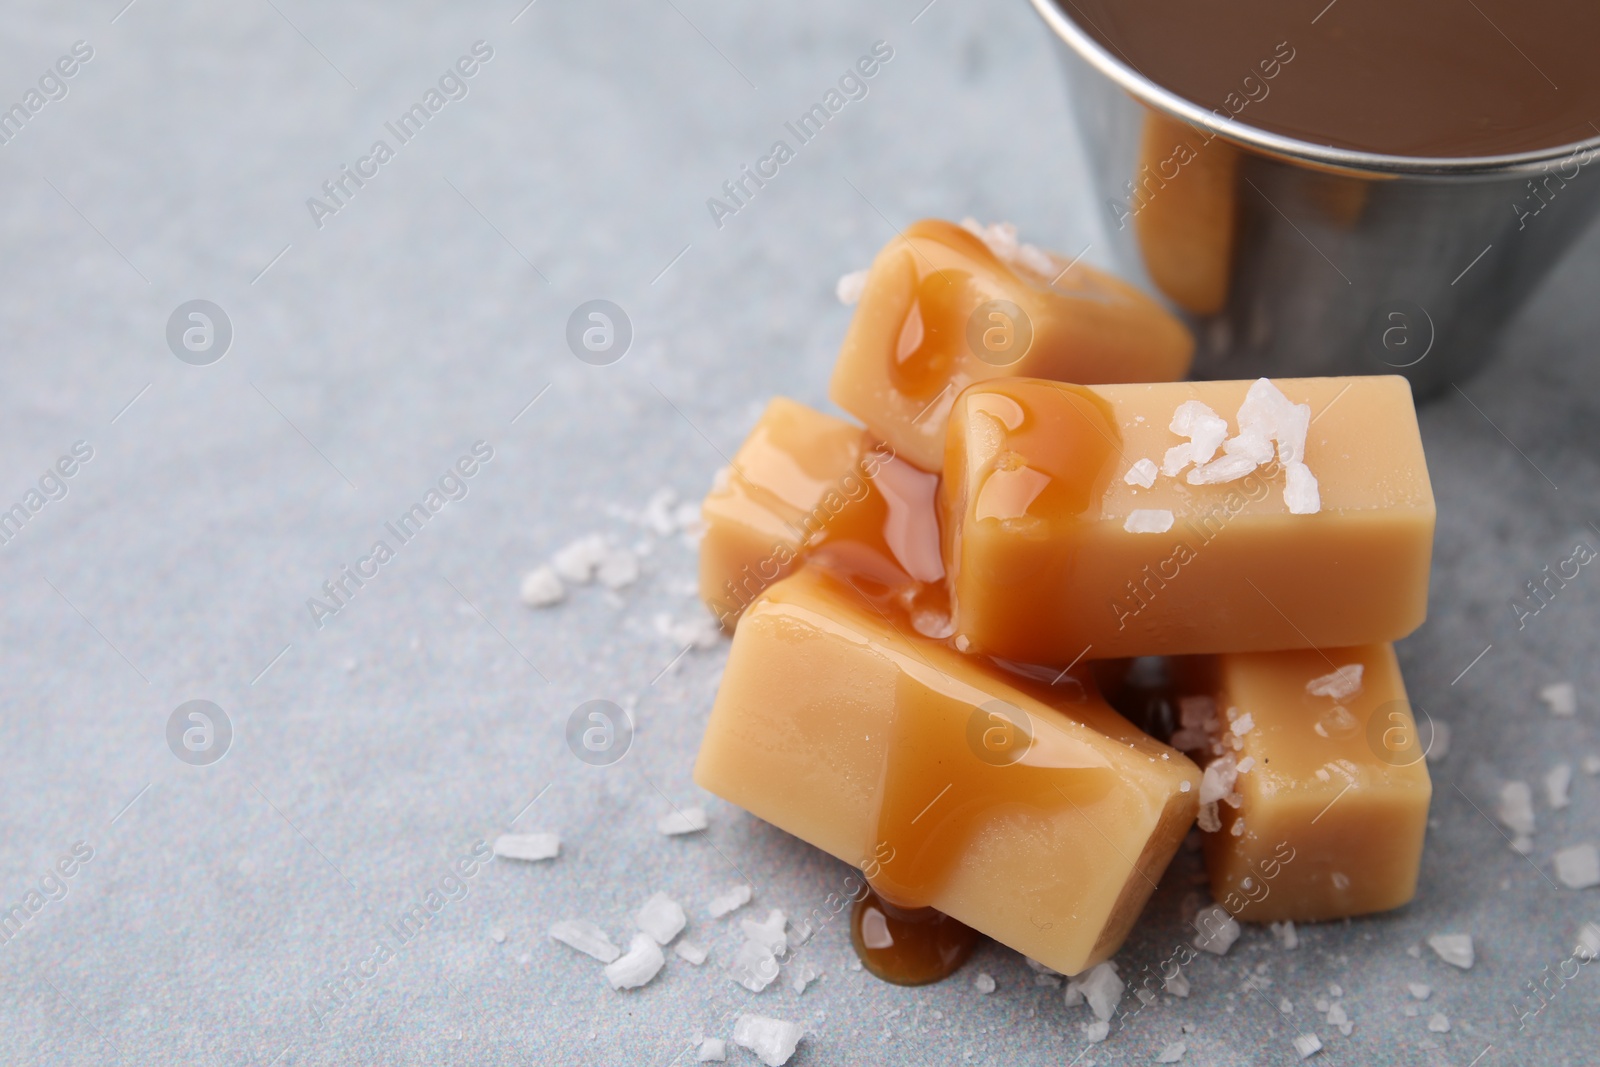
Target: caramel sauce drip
x=908, y=946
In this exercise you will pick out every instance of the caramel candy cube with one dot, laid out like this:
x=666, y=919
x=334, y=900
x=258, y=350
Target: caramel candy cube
x=803, y=485
x=1184, y=207
x=1029, y=811
x=940, y=310
x=1066, y=537
x=1324, y=801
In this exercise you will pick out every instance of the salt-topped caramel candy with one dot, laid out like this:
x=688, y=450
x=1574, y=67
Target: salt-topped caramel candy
x=1027, y=810
x=1185, y=517
x=805, y=483
x=941, y=310
x=1316, y=805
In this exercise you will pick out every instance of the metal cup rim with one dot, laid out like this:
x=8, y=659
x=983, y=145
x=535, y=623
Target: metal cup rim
x=1327, y=157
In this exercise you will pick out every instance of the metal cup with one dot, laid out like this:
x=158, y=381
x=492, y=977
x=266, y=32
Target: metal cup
x=1292, y=258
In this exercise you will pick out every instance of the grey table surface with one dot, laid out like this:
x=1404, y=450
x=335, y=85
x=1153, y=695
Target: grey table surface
x=371, y=351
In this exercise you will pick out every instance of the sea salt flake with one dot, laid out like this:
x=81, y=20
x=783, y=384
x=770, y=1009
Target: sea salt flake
x=1454, y=949
x=1142, y=473
x=1577, y=867
x=1172, y=1052
x=1217, y=930
x=984, y=983
x=730, y=899
x=541, y=588
x=682, y=821
x=1438, y=745
x=711, y=1050
x=1101, y=988
x=1250, y=445
x=1340, y=684
x=1588, y=942
x=850, y=286
x=528, y=847
x=1300, y=492
x=1438, y=1024
x=576, y=563
x=689, y=951
x=642, y=962
x=1515, y=807
x=1225, y=469
x=1558, y=785
x=1307, y=1045
x=586, y=937
x=1218, y=780
x=753, y=966
x=617, y=569
x=1148, y=520
x=772, y=1040
x=1204, y=428
x=661, y=917
x=768, y=932
x=1561, y=698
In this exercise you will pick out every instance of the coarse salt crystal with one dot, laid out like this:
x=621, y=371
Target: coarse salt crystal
x=1216, y=930
x=689, y=951
x=661, y=917
x=617, y=569
x=1307, y=1045
x=1052, y=981
x=699, y=631
x=586, y=937
x=1561, y=698
x=1148, y=520
x=1588, y=945
x=1226, y=469
x=712, y=1050
x=984, y=983
x=1454, y=949
x=1300, y=492
x=1096, y=1031
x=576, y=562
x=1102, y=989
x=1286, y=935
x=1341, y=684
x=1176, y=458
x=527, y=846
x=1142, y=473
x=1183, y=787
x=773, y=1040
x=541, y=588
x=1438, y=746
x=1577, y=867
x=1204, y=428
x=1558, y=785
x=1516, y=807
x=642, y=962
x=1218, y=780
x=850, y=286
x=731, y=899
x=1336, y=1015
x=1171, y=1052
x=1177, y=985
x=801, y=975
x=1246, y=763
x=498, y=935
x=753, y=966
x=768, y=932
x=682, y=821
x=1207, y=818
x=1419, y=990
x=1286, y=1006
x=1438, y=1024
x=1254, y=446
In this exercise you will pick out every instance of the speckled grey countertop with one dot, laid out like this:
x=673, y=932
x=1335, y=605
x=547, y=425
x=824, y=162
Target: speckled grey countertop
x=423, y=315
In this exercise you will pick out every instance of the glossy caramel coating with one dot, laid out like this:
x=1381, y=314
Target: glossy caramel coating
x=909, y=349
